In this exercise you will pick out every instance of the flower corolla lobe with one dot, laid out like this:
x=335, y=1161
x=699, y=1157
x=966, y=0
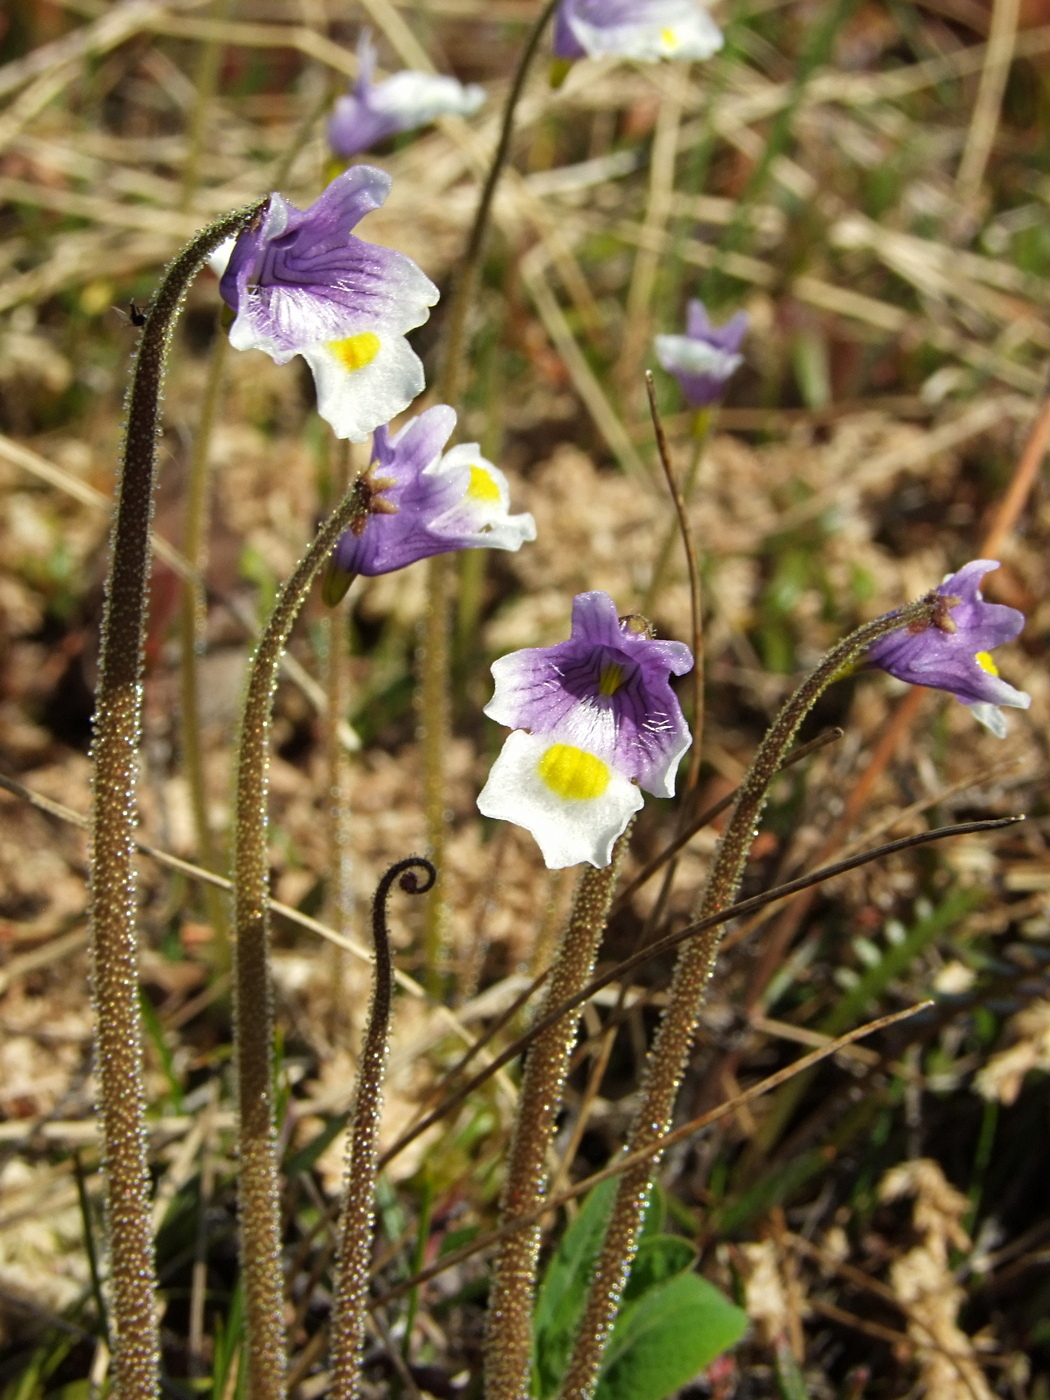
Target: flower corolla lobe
x=424, y=502
x=300, y=283
x=402, y=102
x=595, y=719
x=641, y=29
x=706, y=357
x=952, y=652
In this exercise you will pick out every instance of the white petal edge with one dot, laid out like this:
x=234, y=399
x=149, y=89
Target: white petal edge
x=568, y=831
x=220, y=259
x=418, y=98
x=490, y=521
x=992, y=717
x=682, y=352
x=356, y=402
x=696, y=36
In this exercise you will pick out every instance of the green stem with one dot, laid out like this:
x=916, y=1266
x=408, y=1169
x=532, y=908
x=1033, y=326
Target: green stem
x=191, y=614
x=118, y=709
x=351, y=1301
x=252, y=992
x=508, y=1344
x=670, y=1051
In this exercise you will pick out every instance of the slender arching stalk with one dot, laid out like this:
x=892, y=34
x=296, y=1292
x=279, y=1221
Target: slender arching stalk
x=696, y=961
x=508, y=1344
x=252, y=992
x=434, y=662
x=118, y=709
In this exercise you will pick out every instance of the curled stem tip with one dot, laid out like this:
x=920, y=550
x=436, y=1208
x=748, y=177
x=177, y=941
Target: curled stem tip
x=348, y=1325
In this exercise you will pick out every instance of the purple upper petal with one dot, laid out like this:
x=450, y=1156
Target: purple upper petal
x=704, y=359
x=566, y=44
x=728, y=337
x=605, y=690
x=300, y=277
x=632, y=28
x=355, y=125
x=945, y=656
x=392, y=541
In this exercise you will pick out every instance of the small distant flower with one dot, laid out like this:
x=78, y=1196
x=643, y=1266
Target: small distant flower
x=300, y=283
x=706, y=357
x=952, y=652
x=423, y=503
x=374, y=111
x=594, y=719
x=643, y=29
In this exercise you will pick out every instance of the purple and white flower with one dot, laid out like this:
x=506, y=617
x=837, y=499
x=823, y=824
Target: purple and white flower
x=594, y=720
x=300, y=283
x=643, y=29
x=424, y=502
x=952, y=652
x=706, y=357
x=405, y=100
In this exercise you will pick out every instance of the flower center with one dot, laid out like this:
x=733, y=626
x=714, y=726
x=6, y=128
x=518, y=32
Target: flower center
x=482, y=487
x=669, y=37
x=573, y=773
x=986, y=663
x=610, y=678
x=355, y=351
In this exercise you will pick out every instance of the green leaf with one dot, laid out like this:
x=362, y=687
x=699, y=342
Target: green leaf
x=564, y=1288
x=661, y=1341
x=659, y=1258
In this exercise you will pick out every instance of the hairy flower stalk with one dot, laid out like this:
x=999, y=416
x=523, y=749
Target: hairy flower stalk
x=348, y=1319
x=117, y=722
x=667, y=1059
x=508, y=1350
x=190, y=616
x=252, y=993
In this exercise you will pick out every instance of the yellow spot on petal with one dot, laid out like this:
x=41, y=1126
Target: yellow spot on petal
x=611, y=678
x=573, y=773
x=986, y=663
x=355, y=351
x=669, y=37
x=482, y=487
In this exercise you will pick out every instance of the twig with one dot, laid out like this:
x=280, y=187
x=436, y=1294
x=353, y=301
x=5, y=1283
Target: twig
x=653, y=1149
x=695, y=600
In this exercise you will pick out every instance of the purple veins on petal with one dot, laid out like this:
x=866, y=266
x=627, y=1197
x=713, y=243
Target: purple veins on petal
x=594, y=720
x=427, y=502
x=953, y=652
x=300, y=282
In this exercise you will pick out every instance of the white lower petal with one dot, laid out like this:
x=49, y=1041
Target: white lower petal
x=219, y=260
x=482, y=512
x=355, y=401
x=694, y=35
x=568, y=829
x=991, y=717
x=682, y=352
x=415, y=99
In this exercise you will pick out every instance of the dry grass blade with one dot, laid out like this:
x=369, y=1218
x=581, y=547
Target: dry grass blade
x=662, y=1144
